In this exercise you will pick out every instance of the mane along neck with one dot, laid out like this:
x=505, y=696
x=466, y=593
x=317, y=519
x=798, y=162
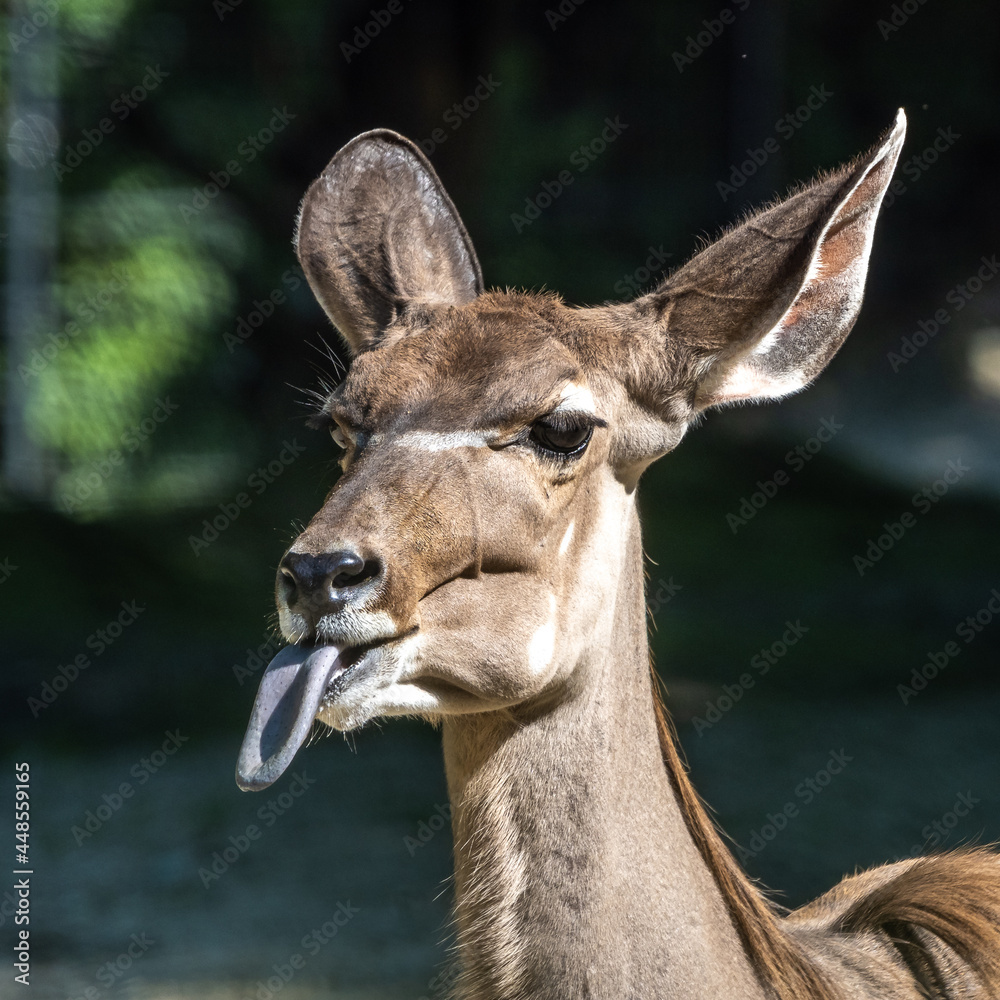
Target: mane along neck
x=778, y=961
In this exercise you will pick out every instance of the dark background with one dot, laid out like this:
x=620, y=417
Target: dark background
x=177, y=371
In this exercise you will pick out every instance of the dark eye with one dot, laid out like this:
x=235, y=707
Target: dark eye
x=562, y=439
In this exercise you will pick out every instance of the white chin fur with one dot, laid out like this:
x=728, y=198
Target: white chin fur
x=382, y=691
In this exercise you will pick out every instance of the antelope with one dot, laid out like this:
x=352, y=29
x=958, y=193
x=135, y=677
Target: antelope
x=479, y=565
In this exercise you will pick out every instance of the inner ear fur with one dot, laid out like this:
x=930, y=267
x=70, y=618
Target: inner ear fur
x=758, y=313
x=377, y=233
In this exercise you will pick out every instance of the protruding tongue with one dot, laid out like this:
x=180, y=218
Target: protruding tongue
x=287, y=701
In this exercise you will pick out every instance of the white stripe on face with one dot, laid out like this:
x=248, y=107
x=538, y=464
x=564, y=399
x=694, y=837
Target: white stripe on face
x=566, y=539
x=543, y=643
x=576, y=399
x=444, y=440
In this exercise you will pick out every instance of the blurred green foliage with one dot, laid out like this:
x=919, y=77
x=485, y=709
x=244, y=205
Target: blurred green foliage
x=144, y=291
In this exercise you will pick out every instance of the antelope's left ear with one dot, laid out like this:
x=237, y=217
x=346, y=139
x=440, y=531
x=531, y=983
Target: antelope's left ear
x=760, y=312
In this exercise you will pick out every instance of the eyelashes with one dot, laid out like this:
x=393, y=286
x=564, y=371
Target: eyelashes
x=562, y=437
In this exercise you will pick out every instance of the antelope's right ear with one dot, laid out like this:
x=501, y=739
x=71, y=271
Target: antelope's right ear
x=760, y=312
x=376, y=232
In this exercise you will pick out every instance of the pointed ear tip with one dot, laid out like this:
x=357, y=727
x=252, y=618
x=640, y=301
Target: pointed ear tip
x=893, y=136
x=891, y=142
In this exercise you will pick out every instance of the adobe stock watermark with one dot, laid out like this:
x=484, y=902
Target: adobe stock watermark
x=110, y=804
x=957, y=298
x=366, y=32
x=633, y=284
x=786, y=127
x=580, y=159
x=257, y=658
x=565, y=10
x=796, y=459
x=257, y=482
x=970, y=626
x=427, y=828
x=7, y=570
x=460, y=112
x=966, y=630
x=441, y=985
x=899, y=14
x=919, y=163
x=268, y=814
x=923, y=500
x=311, y=943
x=666, y=591
x=86, y=312
x=224, y=7
x=246, y=152
x=696, y=44
x=121, y=107
x=115, y=968
x=935, y=833
x=805, y=792
x=100, y=470
x=761, y=662
x=39, y=19
x=97, y=642
x=263, y=310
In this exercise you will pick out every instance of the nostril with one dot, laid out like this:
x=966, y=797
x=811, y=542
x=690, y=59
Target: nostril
x=349, y=565
x=309, y=574
x=364, y=569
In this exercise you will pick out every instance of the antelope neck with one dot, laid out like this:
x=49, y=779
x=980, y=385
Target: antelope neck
x=575, y=873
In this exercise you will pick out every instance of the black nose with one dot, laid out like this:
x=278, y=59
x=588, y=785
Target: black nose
x=326, y=577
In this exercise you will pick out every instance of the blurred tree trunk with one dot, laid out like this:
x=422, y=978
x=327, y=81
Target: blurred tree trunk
x=31, y=236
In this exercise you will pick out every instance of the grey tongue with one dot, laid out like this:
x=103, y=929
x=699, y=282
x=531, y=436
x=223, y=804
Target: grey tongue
x=287, y=701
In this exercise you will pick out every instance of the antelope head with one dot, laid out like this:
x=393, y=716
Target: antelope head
x=473, y=557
